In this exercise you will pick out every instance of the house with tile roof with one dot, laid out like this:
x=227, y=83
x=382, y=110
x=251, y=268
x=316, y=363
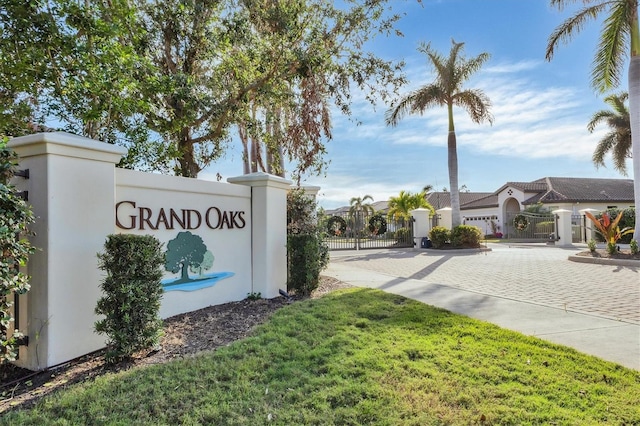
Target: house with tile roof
x=554, y=193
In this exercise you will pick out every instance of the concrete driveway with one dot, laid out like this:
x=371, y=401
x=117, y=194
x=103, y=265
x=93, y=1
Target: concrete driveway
x=533, y=289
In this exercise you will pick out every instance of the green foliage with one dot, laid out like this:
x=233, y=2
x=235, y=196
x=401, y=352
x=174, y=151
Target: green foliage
x=538, y=208
x=447, y=90
x=403, y=235
x=592, y=245
x=254, y=295
x=439, y=236
x=308, y=256
x=628, y=220
x=609, y=229
x=545, y=227
x=15, y=217
x=400, y=207
x=466, y=236
x=187, y=71
x=633, y=246
x=377, y=224
x=358, y=357
x=132, y=293
x=307, y=253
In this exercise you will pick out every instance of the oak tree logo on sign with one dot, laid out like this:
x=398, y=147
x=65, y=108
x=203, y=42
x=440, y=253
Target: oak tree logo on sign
x=187, y=252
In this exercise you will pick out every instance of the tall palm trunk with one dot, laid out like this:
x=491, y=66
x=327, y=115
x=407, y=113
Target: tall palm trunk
x=452, y=162
x=634, y=115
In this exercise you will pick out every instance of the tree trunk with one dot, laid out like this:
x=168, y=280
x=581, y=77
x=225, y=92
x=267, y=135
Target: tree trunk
x=452, y=157
x=188, y=164
x=634, y=115
x=242, y=132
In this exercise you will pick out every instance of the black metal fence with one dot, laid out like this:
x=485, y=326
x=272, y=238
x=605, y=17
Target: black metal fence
x=359, y=231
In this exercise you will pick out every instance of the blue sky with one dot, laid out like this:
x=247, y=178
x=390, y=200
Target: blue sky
x=540, y=108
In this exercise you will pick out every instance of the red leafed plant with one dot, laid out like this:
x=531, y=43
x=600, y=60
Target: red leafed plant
x=609, y=229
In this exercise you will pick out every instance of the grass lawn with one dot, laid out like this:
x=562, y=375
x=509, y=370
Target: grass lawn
x=360, y=356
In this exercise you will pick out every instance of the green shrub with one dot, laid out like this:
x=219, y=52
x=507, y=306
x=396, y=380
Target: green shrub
x=308, y=256
x=15, y=217
x=544, y=227
x=628, y=220
x=307, y=253
x=633, y=246
x=592, y=245
x=403, y=235
x=466, y=236
x=132, y=292
x=439, y=236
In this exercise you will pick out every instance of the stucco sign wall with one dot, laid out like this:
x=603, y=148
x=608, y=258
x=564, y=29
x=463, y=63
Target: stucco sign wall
x=222, y=241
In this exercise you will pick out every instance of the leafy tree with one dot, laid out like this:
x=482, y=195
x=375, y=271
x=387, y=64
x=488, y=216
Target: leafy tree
x=185, y=251
x=66, y=61
x=400, y=207
x=360, y=205
x=618, y=140
x=447, y=90
x=170, y=79
x=619, y=39
x=358, y=209
x=15, y=217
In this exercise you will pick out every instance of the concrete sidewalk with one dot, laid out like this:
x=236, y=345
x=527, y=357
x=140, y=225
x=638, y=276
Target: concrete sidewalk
x=535, y=291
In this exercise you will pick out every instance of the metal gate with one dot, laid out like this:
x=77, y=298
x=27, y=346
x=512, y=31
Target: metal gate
x=578, y=228
x=527, y=226
x=359, y=231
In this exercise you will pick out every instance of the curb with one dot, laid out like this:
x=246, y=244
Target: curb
x=605, y=261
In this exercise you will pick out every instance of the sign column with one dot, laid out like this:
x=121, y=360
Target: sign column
x=268, y=231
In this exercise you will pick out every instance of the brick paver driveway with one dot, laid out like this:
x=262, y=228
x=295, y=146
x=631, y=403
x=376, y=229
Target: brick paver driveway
x=536, y=274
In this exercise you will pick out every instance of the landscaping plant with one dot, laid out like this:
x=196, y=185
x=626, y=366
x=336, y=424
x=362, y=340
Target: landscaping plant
x=633, y=246
x=15, y=217
x=307, y=253
x=439, y=236
x=132, y=292
x=609, y=229
x=467, y=236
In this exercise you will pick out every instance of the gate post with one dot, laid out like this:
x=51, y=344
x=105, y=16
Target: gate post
x=268, y=231
x=590, y=231
x=421, y=226
x=72, y=193
x=564, y=228
x=446, y=217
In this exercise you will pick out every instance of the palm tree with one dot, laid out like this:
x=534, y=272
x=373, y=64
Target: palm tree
x=400, y=207
x=358, y=208
x=447, y=91
x=620, y=36
x=618, y=140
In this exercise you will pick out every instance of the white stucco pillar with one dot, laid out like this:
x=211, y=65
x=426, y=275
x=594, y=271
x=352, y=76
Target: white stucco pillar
x=564, y=227
x=590, y=228
x=310, y=191
x=71, y=189
x=446, y=216
x=421, y=225
x=268, y=232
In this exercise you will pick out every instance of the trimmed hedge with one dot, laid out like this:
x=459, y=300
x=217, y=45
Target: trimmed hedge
x=132, y=292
